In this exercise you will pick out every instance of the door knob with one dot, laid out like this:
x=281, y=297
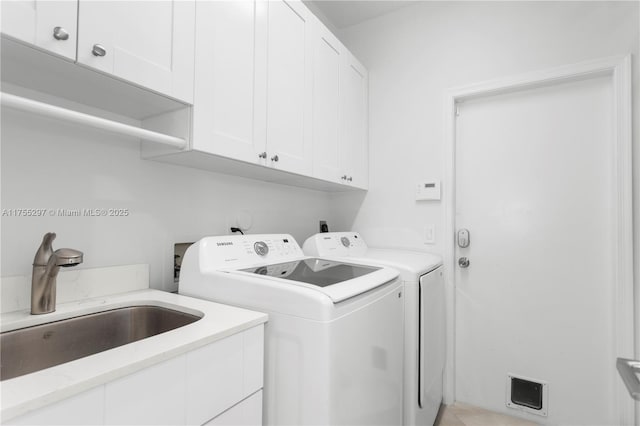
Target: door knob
x=98, y=50
x=463, y=262
x=60, y=33
x=275, y=158
x=262, y=154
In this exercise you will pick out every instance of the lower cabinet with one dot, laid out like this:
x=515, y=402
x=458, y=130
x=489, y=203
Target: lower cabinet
x=220, y=383
x=246, y=413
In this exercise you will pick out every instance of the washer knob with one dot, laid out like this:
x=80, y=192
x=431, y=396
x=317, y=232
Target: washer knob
x=261, y=248
x=345, y=241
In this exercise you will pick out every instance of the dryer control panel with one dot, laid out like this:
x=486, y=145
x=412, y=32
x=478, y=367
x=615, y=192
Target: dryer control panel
x=341, y=244
x=241, y=251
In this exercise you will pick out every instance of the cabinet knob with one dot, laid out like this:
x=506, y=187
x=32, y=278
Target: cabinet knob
x=98, y=50
x=350, y=178
x=343, y=177
x=262, y=154
x=275, y=158
x=60, y=33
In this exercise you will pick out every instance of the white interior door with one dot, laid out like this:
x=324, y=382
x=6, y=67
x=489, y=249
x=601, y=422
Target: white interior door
x=533, y=179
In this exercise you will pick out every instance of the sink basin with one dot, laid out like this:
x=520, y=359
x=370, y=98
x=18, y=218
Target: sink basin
x=31, y=349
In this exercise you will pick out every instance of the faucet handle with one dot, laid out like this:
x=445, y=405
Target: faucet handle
x=45, y=250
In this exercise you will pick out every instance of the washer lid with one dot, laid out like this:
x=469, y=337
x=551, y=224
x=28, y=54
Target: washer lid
x=414, y=262
x=318, y=272
x=336, y=279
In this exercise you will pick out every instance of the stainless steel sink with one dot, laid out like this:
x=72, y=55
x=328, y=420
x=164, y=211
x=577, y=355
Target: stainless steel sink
x=31, y=349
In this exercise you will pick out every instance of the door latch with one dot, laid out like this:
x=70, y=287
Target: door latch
x=463, y=238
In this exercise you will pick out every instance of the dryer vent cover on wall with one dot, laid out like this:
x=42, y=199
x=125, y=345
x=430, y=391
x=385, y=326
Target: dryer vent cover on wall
x=526, y=394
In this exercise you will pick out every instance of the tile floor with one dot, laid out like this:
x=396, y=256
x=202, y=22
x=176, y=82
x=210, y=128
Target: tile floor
x=461, y=414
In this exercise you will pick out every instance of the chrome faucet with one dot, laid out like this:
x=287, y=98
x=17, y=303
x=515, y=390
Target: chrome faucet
x=46, y=265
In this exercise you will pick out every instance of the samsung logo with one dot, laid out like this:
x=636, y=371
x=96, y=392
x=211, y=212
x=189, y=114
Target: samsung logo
x=226, y=243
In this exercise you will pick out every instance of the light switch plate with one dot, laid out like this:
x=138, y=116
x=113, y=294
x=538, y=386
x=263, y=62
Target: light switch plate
x=430, y=234
x=428, y=190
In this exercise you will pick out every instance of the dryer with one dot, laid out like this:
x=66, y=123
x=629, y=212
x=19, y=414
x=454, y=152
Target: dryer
x=333, y=341
x=424, y=331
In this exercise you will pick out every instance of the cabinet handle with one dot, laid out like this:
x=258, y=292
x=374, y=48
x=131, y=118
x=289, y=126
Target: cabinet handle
x=350, y=178
x=262, y=154
x=60, y=33
x=98, y=50
x=275, y=158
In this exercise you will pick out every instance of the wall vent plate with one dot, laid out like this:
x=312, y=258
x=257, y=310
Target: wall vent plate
x=526, y=394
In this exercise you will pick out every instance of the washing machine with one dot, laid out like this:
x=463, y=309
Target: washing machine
x=333, y=341
x=424, y=332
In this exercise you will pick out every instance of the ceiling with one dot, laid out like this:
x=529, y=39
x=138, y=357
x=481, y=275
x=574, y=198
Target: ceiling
x=344, y=13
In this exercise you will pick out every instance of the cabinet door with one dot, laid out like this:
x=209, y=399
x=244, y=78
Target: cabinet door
x=328, y=58
x=354, y=149
x=245, y=413
x=86, y=408
x=230, y=83
x=151, y=396
x=289, y=87
x=149, y=43
x=50, y=25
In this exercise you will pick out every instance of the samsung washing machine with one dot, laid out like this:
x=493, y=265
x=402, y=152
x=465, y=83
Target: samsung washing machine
x=424, y=332
x=333, y=341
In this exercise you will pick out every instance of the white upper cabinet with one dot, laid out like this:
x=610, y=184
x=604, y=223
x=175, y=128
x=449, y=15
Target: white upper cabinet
x=327, y=62
x=230, y=85
x=289, y=86
x=50, y=25
x=354, y=149
x=149, y=43
x=253, y=82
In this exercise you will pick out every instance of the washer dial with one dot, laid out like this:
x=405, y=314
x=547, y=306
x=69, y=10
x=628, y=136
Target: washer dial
x=261, y=248
x=345, y=241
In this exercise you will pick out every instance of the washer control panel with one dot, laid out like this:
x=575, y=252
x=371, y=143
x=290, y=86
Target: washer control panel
x=241, y=251
x=261, y=248
x=335, y=244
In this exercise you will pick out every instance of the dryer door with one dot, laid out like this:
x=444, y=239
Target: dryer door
x=432, y=340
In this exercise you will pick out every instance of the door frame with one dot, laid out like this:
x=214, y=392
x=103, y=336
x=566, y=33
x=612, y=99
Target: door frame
x=617, y=68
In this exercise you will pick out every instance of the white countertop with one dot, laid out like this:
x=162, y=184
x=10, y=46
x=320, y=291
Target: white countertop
x=32, y=391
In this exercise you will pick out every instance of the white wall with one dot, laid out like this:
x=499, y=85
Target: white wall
x=416, y=53
x=53, y=165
